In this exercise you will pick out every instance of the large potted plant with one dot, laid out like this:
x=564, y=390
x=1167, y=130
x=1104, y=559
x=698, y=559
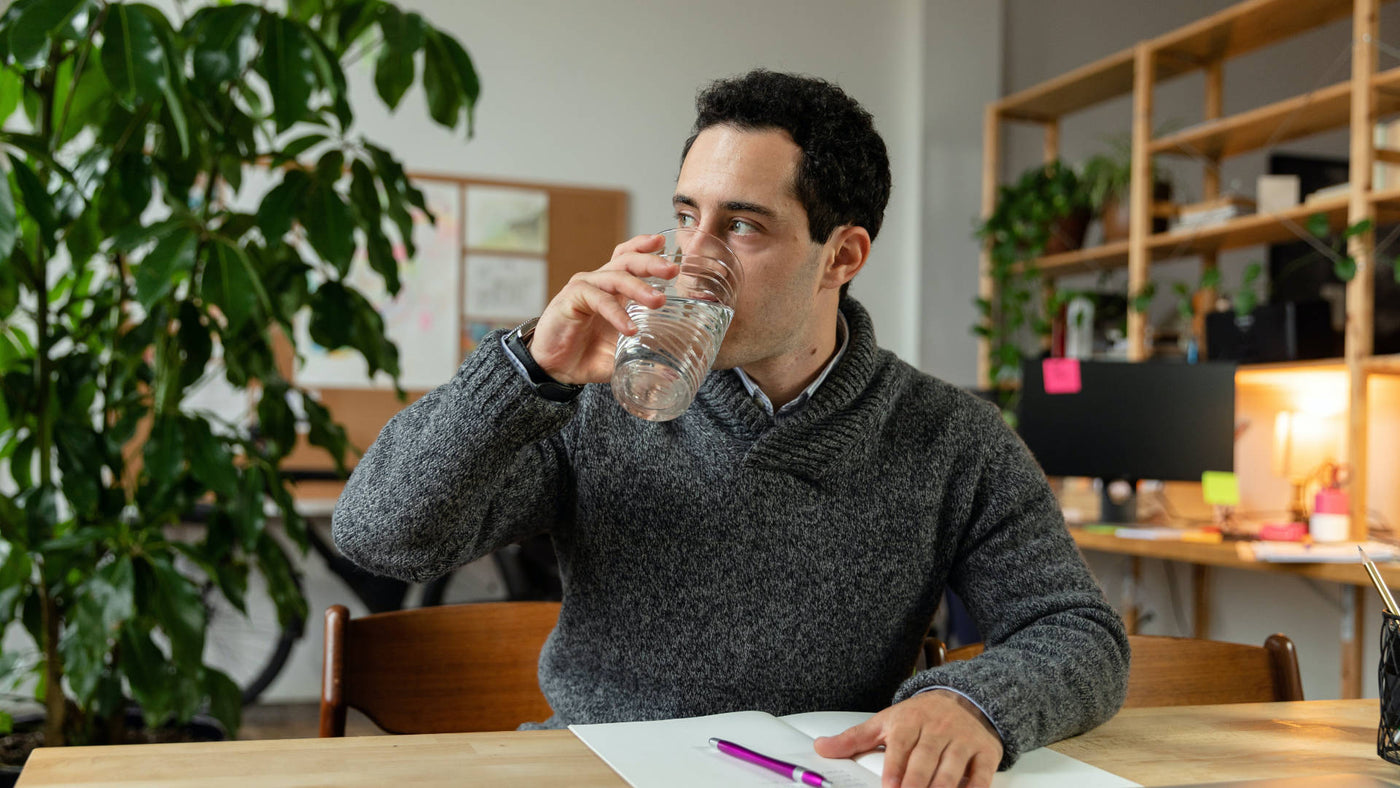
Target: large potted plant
x=126, y=273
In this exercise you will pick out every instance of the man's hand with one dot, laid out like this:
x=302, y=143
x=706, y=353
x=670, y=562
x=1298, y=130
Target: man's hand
x=932, y=740
x=577, y=335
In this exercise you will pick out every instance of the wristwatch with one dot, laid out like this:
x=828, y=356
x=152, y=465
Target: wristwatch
x=518, y=343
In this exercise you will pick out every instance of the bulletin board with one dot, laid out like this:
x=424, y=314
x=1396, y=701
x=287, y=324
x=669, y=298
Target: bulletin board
x=498, y=252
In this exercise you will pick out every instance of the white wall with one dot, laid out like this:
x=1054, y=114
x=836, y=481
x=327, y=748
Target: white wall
x=962, y=72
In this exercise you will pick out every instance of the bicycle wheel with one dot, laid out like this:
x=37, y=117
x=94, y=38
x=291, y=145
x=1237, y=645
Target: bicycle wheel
x=252, y=649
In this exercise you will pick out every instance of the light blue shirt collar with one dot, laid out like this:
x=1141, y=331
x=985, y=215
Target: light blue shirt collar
x=842, y=335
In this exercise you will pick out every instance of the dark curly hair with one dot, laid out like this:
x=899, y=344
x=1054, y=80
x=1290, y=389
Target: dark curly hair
x=844, y=174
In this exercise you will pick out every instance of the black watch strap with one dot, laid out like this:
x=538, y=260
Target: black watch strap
x=518, y=343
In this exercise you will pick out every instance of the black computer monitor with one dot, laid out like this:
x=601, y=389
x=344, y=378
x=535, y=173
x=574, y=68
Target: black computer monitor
x=1129, y=422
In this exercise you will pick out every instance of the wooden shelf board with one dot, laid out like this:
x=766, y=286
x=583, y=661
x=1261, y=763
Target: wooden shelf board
x=1246, y=230
x=1382, y=365
x=1310, y=365
x=1114, y=255
x=1083, y=87
x=1246, y=27
x=1322, y=110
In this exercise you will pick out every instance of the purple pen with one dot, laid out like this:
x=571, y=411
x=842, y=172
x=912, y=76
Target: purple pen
x=789, y=770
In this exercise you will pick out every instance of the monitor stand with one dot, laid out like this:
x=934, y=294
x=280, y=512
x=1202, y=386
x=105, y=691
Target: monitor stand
x=1117, y=501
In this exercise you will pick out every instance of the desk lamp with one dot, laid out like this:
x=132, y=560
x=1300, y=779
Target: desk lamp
x=1303, y=444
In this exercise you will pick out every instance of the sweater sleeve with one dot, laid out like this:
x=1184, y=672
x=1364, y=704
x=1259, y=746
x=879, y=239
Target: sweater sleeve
x=476, y=464
x=1056, y=662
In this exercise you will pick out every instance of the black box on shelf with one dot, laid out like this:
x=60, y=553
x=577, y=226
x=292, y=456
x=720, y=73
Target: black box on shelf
x=1289, y=331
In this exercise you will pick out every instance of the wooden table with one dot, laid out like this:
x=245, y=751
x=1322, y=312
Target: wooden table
x=1151, y=746
x=1225, y=555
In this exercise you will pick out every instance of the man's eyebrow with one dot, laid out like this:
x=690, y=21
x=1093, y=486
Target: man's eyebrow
x=732, y=206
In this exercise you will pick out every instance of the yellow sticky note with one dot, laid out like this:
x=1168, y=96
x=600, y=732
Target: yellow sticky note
x=1221, y=488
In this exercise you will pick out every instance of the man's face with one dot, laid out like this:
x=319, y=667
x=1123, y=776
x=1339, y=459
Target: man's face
x=738, y=186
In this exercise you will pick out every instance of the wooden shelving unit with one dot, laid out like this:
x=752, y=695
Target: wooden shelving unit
x=1206, y=46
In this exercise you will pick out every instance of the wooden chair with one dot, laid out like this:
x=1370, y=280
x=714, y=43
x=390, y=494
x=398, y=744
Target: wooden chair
x=1169, y=671
x=437, y=669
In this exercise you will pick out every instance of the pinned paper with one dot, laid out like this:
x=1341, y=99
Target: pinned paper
x=1061, y=375
x=1220, y=488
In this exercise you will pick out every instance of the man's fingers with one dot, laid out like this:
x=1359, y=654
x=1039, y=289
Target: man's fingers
x=852, y=741
x=643, y=265
x=619, y=283
x=923, y=763
x=899, y=746
x=981, y=770
x=952, y=766
x=640, y=243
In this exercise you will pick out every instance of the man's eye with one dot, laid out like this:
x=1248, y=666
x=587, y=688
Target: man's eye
x=685, y=220
x=742, y=227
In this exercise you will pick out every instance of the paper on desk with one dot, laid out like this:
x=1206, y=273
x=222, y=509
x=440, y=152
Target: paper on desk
x=676, y=754
x=1302, y=553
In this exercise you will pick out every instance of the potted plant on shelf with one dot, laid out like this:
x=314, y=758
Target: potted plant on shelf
x=1045, y=211
x=1107, y=179
x=126, y=274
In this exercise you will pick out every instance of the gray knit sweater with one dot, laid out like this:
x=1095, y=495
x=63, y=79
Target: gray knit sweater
x=720, y=562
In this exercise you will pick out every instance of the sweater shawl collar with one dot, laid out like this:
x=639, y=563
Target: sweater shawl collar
x=838, y=424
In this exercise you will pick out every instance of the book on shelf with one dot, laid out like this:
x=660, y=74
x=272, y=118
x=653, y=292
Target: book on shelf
x=1212, y=212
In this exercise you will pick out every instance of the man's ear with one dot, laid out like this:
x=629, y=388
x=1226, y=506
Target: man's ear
x=851, y=248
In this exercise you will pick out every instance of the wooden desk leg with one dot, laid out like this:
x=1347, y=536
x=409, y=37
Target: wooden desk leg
x=1200, y=601
x=1353, y=635
x=1131, y=579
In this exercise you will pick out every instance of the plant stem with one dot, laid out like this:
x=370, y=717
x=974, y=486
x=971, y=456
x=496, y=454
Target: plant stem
x=78, y=73
x=50, y=613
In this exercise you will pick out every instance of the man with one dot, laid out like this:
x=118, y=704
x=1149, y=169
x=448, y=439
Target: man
x=784, y=543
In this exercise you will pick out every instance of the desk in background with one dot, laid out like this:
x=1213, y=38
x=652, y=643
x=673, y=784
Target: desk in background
x=1203, y=556
x=1162, y=746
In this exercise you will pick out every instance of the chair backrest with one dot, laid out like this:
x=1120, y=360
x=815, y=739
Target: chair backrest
x=1170, y=671
x=437, y=669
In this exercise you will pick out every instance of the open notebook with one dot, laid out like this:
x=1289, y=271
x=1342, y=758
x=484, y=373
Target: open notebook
x=677, y=754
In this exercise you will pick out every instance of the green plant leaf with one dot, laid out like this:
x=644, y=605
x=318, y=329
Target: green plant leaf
x=196, y=343
x=381, y=258
x=145, y=667
x=1345, y=268
x=225, y=698
x=37, y=201
x=178, y=609
x=328, y=222
x=132, y=56
x=466, y=77
x=9, y=235
x=51, y=19
x=393, y=70
x=169, y=261
x=1395, y=268
x=332, y=316
x=163, y=453
x=284, y=202
x=1252, y=272
x=1363, y=226
x=228, y=283
x=225, y=43
x=11, y=88
x=286, y=65
x=210, y=461
x=440, y=81
x=1319, y=225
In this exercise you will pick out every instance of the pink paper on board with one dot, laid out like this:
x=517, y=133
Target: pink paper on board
x=1061, y=375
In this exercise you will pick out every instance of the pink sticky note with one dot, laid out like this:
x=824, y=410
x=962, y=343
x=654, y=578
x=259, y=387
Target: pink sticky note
x=1061, y=375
